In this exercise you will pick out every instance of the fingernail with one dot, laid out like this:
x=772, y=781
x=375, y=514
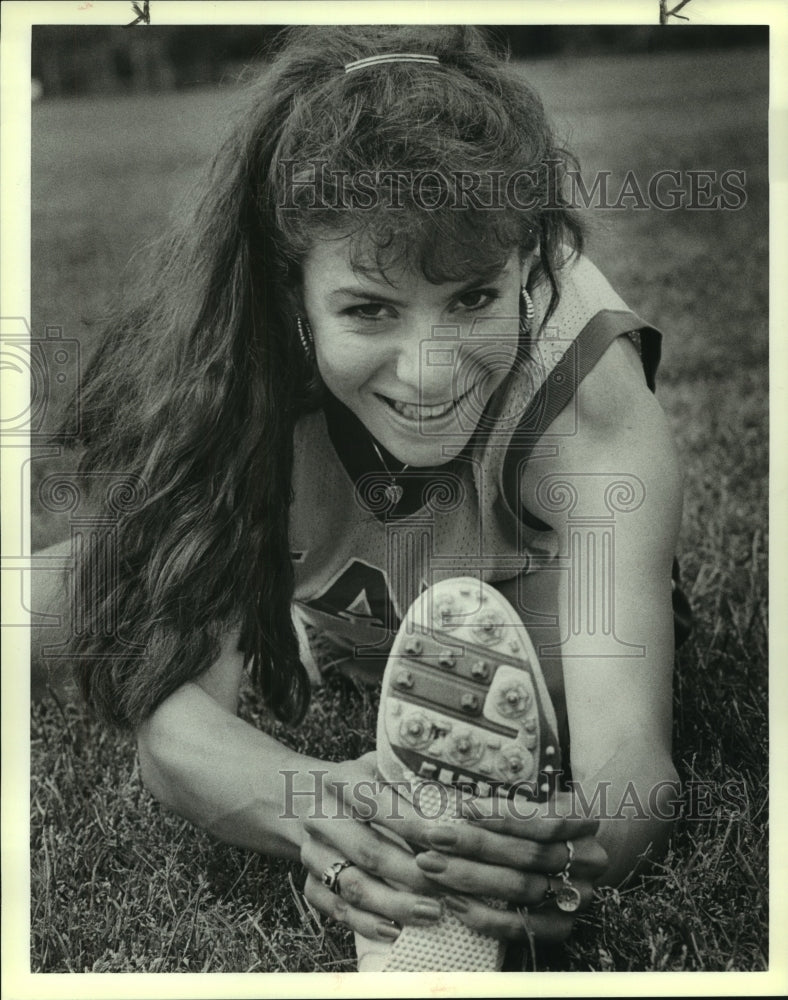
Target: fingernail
x=428, y=912
x=456, y=903
x=431, y=862
x=388, y=931
x=444, y=836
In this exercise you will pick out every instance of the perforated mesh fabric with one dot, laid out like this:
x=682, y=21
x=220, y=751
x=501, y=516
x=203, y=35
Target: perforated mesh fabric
x=449, y=945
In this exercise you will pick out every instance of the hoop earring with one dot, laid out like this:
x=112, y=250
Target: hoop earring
x=528, y=304
x=305, y=336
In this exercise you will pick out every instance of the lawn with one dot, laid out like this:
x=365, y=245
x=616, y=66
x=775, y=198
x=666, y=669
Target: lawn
x=120, y=885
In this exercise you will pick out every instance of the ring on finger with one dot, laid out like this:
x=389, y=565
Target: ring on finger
x=330, y=877
x=570, y=851
x=567, y=896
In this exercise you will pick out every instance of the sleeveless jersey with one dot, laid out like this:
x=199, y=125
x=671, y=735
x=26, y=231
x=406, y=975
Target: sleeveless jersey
x=359, y=564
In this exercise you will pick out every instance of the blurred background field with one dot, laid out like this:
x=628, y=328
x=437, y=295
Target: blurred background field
x=119, y=885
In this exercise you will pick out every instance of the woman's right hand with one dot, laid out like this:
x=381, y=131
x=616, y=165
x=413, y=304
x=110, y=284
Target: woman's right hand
x=383, y=888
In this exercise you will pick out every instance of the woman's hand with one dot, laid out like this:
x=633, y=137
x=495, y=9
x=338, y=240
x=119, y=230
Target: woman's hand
x=516, y=852
x=504, y=854
x=384, y=887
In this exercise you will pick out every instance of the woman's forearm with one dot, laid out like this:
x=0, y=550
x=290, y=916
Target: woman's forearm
x=225, y=776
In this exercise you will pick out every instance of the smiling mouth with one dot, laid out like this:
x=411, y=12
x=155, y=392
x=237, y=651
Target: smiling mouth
x=415, y=411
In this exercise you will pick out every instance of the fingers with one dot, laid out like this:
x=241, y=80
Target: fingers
x=481, y=844
x=362, y=844
x=562, y=817
x=371, y=925
x=361, y=891
x=475, y=841
x=496, y=881
x=547, y=924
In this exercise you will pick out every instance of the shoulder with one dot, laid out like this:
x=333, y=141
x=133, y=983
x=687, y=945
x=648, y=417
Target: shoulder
x=613, y=428
x=583, y=293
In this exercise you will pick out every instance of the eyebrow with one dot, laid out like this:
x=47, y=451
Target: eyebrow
x=367, y=294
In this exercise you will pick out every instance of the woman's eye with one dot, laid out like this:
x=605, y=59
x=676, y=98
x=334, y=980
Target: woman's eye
x=369, y=310
x=479, y=298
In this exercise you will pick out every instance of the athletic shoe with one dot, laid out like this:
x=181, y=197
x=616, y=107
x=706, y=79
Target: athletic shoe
x=464, y=706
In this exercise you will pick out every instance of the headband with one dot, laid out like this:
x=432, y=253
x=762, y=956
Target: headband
x=411, y=57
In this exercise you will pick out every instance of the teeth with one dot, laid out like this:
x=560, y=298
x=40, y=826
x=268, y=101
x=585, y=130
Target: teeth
x=412, y=411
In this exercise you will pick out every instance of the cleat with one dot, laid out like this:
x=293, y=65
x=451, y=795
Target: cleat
x=514, y=701
x=416, y=730
x=446, y=658
x=489, y=630
x=469, y=702
x=445, y=612
x=480, y=670
x=465, y=748
x=493, y=738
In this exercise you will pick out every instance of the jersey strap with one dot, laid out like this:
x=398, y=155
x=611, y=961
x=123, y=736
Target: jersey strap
x=561, y=385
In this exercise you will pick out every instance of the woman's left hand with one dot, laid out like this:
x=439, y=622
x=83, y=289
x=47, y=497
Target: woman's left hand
x=515, y=852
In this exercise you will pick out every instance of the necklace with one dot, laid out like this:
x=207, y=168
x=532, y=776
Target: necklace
x=393, y=490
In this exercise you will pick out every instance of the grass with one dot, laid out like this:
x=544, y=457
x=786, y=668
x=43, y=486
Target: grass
x=120, y=885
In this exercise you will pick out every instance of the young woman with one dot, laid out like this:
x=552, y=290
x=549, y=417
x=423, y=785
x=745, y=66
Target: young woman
x=375, y=358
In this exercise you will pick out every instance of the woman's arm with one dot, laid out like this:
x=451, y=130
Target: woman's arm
x=618, y=670
x=203, y=762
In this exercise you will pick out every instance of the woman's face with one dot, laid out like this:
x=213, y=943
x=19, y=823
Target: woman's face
x=414, y=361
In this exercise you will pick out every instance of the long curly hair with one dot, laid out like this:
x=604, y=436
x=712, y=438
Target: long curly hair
x=198, y=384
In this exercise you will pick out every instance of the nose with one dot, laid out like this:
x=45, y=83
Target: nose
x=425, y=363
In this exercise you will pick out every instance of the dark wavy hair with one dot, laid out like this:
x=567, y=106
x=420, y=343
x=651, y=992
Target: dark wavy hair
x=198, y=384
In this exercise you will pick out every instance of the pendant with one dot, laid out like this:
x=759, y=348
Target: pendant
x=393, y=493
x=567, y=898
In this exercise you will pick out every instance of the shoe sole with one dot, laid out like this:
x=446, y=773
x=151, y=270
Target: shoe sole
x=464, y=705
